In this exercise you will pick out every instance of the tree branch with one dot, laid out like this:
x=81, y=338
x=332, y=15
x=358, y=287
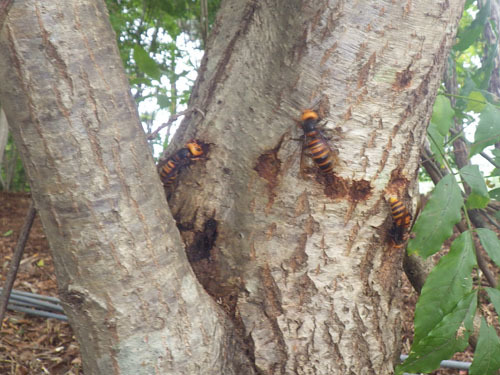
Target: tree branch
x=171, y=120
x=492, y=162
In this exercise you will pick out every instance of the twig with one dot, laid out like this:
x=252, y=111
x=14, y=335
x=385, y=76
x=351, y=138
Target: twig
x=4, y=10
x=490, y=219
x=484, y=155
x=169, y=123
x=16, y=259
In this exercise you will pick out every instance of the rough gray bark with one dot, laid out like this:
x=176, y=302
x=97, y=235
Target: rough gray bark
x=304, y=265
x=131, y=297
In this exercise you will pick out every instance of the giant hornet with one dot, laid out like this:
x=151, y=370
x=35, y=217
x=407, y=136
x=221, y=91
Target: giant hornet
x=401, y=221
x=321, y=152
x=169, y=169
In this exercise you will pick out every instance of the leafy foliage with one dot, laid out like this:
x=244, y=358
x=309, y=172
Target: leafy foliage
x=465, y=123
x=160, y=44
x=441, y=121
x=435, y=224
x=447, y=337
x=478, y=197
x=487, y=356
x=489, y=241
x=446, y=285
x=12, y=175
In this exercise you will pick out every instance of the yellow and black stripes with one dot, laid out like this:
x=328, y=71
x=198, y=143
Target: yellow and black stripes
x=170, y=168
x=401, y=220
x=320, y=151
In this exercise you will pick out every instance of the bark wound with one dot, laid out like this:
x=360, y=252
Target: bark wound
x=365, y=70
x=201, y=253
x=203, y=242
x=268, y=167
x=335, y=186
x=403, y=79
x=398, y=183
x=360, y=190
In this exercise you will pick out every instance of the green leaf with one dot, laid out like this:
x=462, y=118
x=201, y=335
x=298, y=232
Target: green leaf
x=490, y=242
x=8, y=233
x=494, y=295
x=436, y=141
x=435, y=224
x=488, y=129
x=442, y=114
x=487, y=355
x=476, y=102
x=449, y=336
x=479, y=197
x=163, y=101
x=471, y=33
x=145, y=63
x=468, y=86
x=441, y=121
x=495, y=194
x=447, y=283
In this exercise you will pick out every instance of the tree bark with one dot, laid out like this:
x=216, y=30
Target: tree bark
x=304, y=265
x=301, y=269
x=129, y=293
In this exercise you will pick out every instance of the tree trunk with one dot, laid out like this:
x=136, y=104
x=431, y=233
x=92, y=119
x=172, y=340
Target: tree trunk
x=305, y=265
x=130, y=295
x=301, y=264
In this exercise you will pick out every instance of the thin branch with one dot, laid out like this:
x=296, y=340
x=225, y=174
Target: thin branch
x=171, y=120
x=4, y=10
x=168, y=123
x=16, y=260
x=492, y=162
x=490, y=219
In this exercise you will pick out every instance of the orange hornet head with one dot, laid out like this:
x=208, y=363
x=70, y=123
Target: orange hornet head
x=194, y=148
x=308, y=114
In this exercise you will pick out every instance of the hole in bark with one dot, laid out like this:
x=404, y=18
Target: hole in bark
x=203, y=242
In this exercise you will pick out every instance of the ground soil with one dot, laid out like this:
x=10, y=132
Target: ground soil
x=33, y=345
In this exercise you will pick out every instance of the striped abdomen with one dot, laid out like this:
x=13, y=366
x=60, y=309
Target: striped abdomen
x=401, y=219
x=321, y=153
x=169, y=171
